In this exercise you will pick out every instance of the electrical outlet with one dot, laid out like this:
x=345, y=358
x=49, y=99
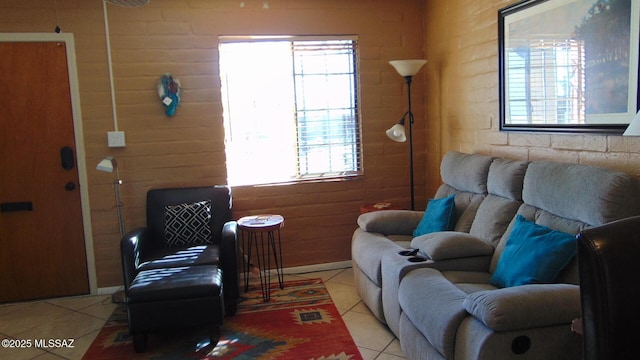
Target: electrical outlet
x=115, y=139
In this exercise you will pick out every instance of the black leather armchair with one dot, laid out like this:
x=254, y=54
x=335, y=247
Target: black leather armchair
x=609, y=264
x=147, y=248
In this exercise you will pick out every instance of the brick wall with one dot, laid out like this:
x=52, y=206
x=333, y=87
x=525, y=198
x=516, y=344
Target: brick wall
x=461, y=41
x=180, y=36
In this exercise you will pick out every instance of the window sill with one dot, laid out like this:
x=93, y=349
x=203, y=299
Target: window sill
x=337, y=178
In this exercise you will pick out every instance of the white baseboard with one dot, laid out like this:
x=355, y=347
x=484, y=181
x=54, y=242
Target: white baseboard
x=317, y=267
x=290, y=270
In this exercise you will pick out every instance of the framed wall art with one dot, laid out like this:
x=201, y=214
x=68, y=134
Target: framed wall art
x=568, y=65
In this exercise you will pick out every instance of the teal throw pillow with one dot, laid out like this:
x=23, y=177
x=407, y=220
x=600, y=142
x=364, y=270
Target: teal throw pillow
x=534, y=254
x=439, y=216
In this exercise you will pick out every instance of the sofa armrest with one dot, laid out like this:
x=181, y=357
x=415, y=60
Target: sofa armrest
x=450, y=245
x=526, y=306
x=390, y=222
x=130, y=254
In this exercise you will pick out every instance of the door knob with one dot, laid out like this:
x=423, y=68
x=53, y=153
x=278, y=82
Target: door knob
x=70, y=186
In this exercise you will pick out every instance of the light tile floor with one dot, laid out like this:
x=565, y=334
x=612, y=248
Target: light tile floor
x=80, y=318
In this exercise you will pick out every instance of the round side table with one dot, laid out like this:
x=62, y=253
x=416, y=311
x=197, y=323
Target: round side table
x=258, y=230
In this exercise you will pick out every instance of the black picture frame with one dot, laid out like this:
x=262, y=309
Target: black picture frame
x=559, y=71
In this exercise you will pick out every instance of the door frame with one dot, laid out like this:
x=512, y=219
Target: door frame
x=69, y=41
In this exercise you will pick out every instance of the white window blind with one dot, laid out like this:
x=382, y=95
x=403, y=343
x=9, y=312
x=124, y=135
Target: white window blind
x=290, y=108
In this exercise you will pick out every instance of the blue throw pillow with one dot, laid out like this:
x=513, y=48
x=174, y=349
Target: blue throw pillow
x=439, y=216
x=534, y=254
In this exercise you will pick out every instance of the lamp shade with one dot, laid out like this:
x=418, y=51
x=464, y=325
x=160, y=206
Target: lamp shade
x=634, y=128
x=107, y=164
x=396, y=133
x=407, y=67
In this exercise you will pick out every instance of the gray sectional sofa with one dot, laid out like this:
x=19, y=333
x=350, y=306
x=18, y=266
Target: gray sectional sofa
x=445, y=297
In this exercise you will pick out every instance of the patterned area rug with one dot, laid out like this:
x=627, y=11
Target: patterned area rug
x=300, y=322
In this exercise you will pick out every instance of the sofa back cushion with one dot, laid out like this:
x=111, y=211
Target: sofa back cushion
x=506, y=178
x=467, y=204
x=465, y=176
x=466, y=172
x=504, y=186
x=588, y=194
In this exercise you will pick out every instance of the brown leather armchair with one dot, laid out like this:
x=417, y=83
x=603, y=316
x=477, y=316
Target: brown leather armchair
x=181, y=269
x=609, y=264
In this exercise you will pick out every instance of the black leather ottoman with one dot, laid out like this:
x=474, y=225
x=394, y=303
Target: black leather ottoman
x=168, y=299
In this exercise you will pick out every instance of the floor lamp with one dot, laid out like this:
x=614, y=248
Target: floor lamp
x=109, y=164
x=407, y=69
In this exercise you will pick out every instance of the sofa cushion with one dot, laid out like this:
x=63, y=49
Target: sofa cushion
x=468, y=277
x=434, y=307
x=504, y=185
x=588, y=194
x=466, y=172
x=450, y=245
x=467, y=204
x=170, y=257
x=520, y=307
x=506, y=177
x=367, y=249
x=533, y=254
x=493, y=217
x=440, y=215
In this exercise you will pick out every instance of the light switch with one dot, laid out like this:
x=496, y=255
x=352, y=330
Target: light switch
x=115, y=139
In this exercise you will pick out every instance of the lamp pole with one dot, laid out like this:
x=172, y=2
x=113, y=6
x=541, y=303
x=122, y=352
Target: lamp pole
x=413, y=201
x=119, y=204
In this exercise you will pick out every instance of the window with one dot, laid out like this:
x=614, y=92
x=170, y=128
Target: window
x=290, y=108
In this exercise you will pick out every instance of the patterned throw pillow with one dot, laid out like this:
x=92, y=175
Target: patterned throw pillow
x=188, y=224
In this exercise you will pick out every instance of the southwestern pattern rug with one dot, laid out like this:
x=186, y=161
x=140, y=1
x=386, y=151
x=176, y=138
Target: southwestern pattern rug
x=300, y=322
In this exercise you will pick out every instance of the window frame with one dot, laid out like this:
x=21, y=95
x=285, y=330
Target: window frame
x=355, y=120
